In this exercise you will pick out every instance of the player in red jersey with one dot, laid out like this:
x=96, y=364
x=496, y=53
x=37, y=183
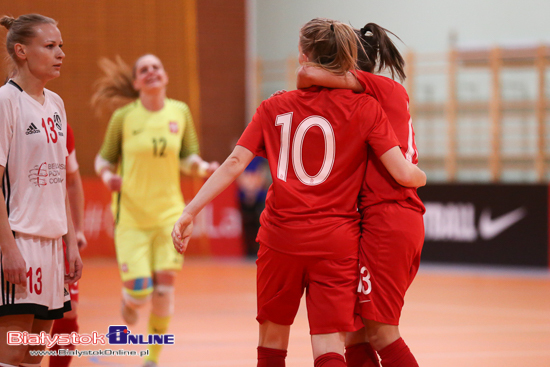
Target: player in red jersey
x=69, y=323
x=392, y=226
x=315, y=143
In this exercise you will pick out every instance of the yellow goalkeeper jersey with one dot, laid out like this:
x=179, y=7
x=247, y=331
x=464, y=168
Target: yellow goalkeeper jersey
x=147, y=146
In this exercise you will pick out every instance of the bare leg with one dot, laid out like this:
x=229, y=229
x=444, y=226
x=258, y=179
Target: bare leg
x=37, y=327
x=274, y=336
x=381, y=335
x=328, y=343
x=13, y=354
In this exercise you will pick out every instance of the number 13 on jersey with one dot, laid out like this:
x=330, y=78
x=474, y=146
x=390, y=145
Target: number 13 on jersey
x=285, y=121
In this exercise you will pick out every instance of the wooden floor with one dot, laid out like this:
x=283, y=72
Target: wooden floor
x=464, y=317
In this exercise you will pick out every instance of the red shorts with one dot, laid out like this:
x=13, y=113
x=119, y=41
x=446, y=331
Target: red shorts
x=389, y=255
x=330, y=287
x=73, y=288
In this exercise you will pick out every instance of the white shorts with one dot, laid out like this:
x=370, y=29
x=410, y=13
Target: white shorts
x=45, y=295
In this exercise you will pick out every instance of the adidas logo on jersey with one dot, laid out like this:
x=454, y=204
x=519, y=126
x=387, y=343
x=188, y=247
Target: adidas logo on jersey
x=32, y=129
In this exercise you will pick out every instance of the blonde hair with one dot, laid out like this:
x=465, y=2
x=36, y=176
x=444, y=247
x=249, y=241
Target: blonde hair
x=21, y=30
x=116, y=87
x=329, y=44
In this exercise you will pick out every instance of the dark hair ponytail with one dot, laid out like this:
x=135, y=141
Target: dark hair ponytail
x=379, y=52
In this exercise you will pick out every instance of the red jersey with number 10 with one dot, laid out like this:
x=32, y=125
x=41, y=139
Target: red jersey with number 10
x=315, y=141
x=379, y=185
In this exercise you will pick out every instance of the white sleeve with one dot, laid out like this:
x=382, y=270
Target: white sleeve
x=6, y=129
x=101, y=163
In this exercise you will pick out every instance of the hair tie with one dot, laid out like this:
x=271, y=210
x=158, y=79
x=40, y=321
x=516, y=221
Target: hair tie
x=332, y=27
x=364, y=31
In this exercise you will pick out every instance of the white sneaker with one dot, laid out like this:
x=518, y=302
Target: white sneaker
x=129, y=315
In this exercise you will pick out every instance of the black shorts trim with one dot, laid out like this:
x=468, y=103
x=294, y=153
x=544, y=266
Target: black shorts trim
x=40, y=312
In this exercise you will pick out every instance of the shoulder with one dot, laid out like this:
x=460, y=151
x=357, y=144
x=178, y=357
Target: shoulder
x=124, y=110
x=54, y=97
x=9, y=93
x=366, y=103
x=179, y=105
x=378, y=85
x=285, y=97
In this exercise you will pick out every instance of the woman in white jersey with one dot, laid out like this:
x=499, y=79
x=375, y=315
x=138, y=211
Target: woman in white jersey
x=34, y=209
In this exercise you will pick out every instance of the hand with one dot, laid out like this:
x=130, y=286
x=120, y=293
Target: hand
x=81, y=240
x=181, y=234
x=278, y=93
x=212, y=166
x=15, y=267
x=114, y=183
x=111, y=180
x=75, y=265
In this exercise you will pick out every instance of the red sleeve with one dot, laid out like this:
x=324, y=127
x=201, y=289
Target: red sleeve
x=70, y=139
x=360, y=78
x=378, y=132
x=253, y=137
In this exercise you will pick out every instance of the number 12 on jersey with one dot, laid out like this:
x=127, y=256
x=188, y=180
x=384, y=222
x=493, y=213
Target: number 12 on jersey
x=285, y=121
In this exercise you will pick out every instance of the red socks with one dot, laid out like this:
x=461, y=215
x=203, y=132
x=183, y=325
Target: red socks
x=268, y=357
x=397, y=354
x=330, y=360
x=63, y=326
x=361, y=355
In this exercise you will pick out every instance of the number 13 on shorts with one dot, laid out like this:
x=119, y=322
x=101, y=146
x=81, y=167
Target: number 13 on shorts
x=365, y=285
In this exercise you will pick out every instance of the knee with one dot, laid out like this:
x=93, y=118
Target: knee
x=13, y=356
x=72, y=314
x=163, y=300
x=328, y=343
x=274, y=336
x=381, y=335
x=136, y=293
x=356, y=337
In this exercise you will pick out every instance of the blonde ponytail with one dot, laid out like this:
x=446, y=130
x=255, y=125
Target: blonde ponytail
x=329, y=44
x=115, y=88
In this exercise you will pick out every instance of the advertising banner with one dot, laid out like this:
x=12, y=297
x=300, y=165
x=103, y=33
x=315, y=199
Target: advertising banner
x=492, y=224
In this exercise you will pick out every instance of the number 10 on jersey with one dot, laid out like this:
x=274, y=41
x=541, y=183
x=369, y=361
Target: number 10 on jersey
x=285, y=121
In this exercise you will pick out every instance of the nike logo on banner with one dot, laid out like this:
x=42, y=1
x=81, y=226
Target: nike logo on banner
x=490, y=228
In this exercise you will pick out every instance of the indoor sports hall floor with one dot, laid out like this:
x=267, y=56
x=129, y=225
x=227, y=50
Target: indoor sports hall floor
x=467, y=317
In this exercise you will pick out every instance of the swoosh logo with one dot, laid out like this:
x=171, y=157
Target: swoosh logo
x=490, y=228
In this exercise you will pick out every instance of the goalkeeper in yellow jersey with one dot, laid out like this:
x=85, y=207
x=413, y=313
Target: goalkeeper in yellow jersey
x=148, y=142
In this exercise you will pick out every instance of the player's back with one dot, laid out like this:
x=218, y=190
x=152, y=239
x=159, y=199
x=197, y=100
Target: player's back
x=315, y=142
